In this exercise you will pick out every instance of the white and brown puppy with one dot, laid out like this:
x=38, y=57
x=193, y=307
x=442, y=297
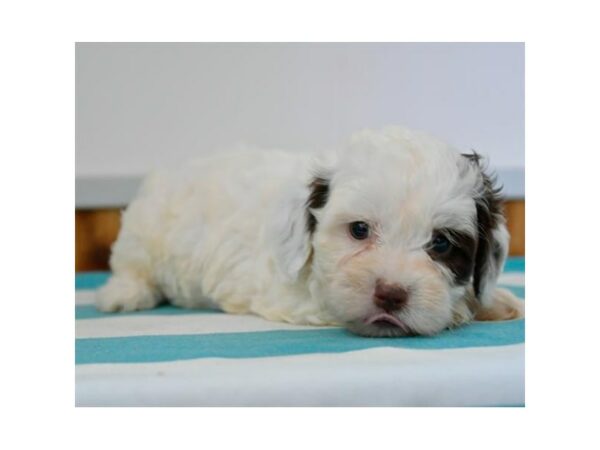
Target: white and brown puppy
x=395, y=234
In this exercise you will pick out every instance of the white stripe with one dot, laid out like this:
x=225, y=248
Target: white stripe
x=142, y=325
x=85, y=296
x=374, y=377
x=512, y=279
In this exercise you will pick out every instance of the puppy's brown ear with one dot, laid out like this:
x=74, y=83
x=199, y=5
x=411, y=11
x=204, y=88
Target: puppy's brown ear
x=319, y=194
x=493, y=237
x=294, y=224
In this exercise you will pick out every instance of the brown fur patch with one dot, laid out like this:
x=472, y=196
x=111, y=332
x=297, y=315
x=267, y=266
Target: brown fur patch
x=460, y=259
x=319, y=193
x=490, y=214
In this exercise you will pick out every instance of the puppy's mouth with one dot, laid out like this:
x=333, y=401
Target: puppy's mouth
x=380, y=325
x=384, y=320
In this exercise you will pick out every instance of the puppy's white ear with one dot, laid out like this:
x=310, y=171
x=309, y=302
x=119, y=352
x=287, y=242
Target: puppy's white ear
x=493, y=237
x=293, y=225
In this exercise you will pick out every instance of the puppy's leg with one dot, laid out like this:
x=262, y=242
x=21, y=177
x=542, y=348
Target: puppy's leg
x=131, y=286
x=505, y=306
x=125, y=292
x=462, y=312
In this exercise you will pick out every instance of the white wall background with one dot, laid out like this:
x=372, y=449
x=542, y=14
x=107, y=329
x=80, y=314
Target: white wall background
x=140, y=106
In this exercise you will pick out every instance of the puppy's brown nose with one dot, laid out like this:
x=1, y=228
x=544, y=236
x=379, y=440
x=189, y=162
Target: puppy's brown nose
x=389, y=297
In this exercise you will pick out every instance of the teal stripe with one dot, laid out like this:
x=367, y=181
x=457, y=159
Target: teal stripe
x=90, y=312
x=146, y=349
x=90, y=280
x=515, y=264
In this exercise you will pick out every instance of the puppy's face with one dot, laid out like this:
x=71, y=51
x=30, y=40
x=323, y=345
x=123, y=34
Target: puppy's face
x=392, y=257
x=400, y=228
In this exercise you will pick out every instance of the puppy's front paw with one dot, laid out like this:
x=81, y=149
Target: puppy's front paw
x=505, y=306
x=123, y=293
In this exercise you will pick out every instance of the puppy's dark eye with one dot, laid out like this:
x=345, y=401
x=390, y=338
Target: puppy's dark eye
x=359, y=230
x=440, y=244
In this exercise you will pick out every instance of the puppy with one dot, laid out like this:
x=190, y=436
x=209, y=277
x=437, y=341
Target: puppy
x=396, y=234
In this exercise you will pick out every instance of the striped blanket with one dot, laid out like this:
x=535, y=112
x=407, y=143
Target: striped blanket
x=176, y=357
